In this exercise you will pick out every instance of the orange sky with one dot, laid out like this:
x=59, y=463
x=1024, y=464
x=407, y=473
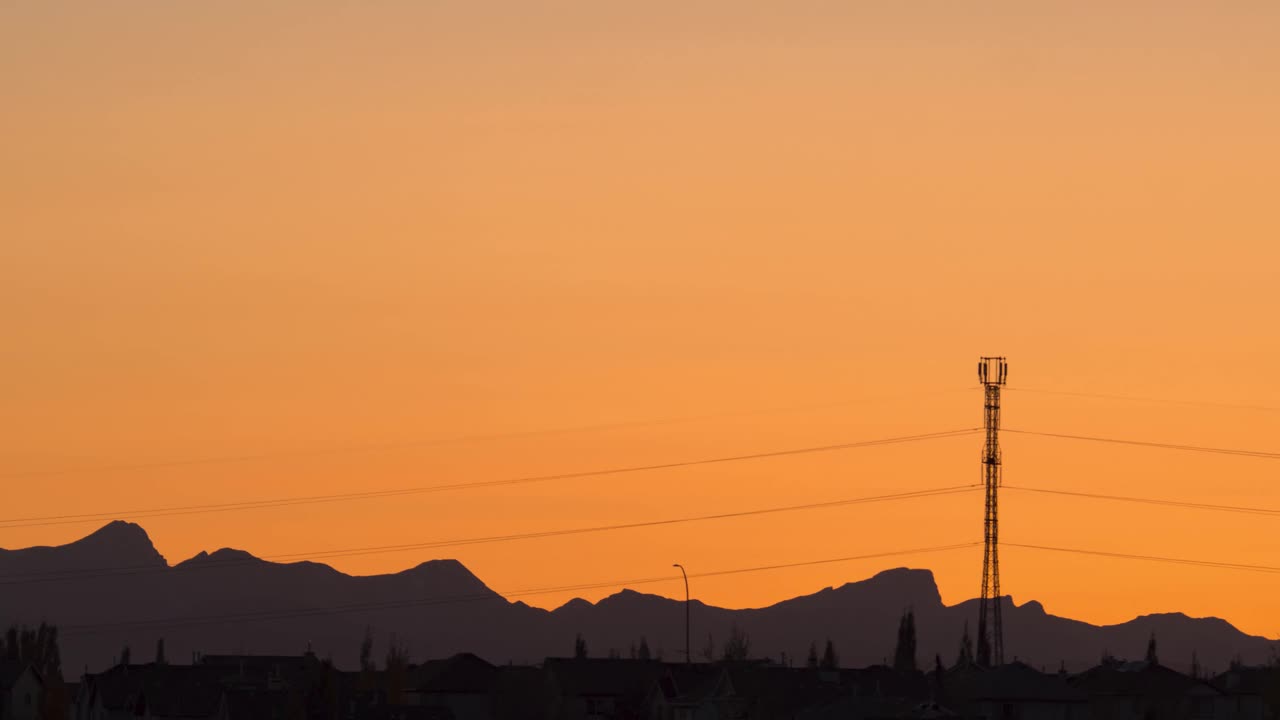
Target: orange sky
x=239, y=228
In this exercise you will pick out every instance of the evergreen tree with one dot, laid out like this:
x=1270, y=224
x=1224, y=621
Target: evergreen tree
x=580, y=647
x=368, y=678
x=39, y=647
x=397, y=669
x=366, y=650
x=12, y=649
x=1152, y=659
x=965, y=656
x=1195, y=666
x=904, y=655
x=984, y=645
x=125, y=655
x=830, y=661
x=50, y=660
x=939, y=679
x=29, y=641
x=643, y=652
x=738, y=646
x=632, y=650
x=160, y=659
x=55, y=703
x=813, y=656
x=709, y=652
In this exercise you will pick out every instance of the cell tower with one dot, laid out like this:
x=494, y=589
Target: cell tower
x=993, y=372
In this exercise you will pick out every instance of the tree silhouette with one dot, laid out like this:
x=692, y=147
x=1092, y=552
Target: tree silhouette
x=30, y=643
x=813, y=656
x=643, y=653
x=904, y=655
x=738, y=646
x=397, y=668
x=368, y=679
x=984, y=644
x=1152, y=659
x=709, y=652
x=965, y=656
x=125, y=654
x=160, y=659
x=580, y=647
x=1195, y=665
x=939, y=679
x=12, y=649
x=366, y=650
x=830, y=661
x=37, y=647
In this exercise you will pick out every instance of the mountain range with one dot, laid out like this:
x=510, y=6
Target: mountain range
x=113, y=589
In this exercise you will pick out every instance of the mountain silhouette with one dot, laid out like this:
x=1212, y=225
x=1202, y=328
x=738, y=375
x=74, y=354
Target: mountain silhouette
x=113, y=588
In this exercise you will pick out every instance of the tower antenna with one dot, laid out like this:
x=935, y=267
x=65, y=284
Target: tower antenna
x=993, y=373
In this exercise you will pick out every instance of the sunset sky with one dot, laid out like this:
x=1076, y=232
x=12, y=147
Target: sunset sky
x=373, y=245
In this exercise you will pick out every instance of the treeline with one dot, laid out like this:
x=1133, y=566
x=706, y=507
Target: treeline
x=737, y=647
x=38, y=647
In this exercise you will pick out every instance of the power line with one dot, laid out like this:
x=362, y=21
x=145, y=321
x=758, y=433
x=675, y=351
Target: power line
x=1266, y=455
x=259, y=616
x=378, y=447
x=39, y=521
x=1135, y=398
x=1271, y=512
x=95, y=573
x=1152, y=558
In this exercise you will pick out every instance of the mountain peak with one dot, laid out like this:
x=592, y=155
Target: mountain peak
x=119, y=540
x=1034, y=606
x=449, y=574
x=218, y=557
x=911, y=585
x=118, y=529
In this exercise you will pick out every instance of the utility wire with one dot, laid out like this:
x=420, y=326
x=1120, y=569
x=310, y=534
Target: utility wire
x=377, y=447
x=1266, y=455
x=1269, y=569
x=38, y=521
x=258, y=616
x=1271, y=512
x=1135, y=398
x=94, y=573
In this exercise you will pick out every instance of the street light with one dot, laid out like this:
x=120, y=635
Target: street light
x=688, y=657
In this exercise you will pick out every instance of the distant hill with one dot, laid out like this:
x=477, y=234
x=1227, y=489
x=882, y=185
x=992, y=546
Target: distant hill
x=113, y=588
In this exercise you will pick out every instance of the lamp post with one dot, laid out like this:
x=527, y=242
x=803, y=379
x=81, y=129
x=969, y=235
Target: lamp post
x=688, y=656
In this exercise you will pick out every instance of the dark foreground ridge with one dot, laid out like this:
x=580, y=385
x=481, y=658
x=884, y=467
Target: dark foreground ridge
x=113, y=589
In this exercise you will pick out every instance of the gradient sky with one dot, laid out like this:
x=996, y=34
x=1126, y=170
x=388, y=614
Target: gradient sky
x=243, y=228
